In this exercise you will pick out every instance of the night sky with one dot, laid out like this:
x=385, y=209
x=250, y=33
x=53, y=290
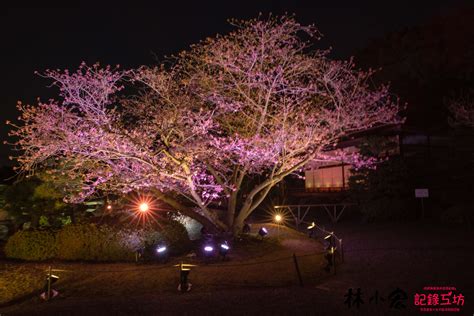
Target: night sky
x=40, y=38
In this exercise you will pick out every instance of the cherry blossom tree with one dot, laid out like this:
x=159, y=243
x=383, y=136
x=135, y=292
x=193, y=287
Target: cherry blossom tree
x=257, y=104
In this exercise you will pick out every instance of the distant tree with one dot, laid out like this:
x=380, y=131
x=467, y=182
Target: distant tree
x=425, y=64
x=383, y=191
x=30, y=198
x=462, y=110
x=259, y=101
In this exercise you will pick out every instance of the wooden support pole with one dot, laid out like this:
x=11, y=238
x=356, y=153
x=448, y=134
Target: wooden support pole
x=298, y=272
x=299, y=219
x=48, y=293
x=342, y=250
x=334, y=259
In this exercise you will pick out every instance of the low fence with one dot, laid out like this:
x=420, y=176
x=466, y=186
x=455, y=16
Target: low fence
x=277, y=272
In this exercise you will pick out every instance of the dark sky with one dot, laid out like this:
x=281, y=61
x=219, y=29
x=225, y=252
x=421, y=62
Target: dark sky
x=40, y=38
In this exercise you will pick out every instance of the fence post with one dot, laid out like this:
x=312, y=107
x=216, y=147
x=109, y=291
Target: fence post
x=48, y=293
x=298, y=272
x=333, y=254
x=342, y=250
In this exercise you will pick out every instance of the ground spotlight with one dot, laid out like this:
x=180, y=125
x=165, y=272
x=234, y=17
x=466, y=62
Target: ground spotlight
x=224, y=249
x=263, y=232
x=161, y=249
x=162, y=253
x=208, y=251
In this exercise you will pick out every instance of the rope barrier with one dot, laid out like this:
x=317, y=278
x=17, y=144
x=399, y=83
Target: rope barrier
x=153, y=267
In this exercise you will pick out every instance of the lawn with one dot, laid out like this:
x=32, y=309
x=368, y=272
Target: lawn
x=252, y=263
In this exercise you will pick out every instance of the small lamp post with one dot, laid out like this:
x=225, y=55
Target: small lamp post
x=311, y=229
x=278, y=219
x=184, y=269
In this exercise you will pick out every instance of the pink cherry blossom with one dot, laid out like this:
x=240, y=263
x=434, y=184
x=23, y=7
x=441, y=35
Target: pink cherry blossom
x=250, y=107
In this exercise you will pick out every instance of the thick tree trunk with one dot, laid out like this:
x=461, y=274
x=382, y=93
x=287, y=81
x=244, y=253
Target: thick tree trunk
x=174, y=205
x=231, y=209
x=239, y=219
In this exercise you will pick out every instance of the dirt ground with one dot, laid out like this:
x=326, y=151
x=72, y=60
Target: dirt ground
x=378, y=258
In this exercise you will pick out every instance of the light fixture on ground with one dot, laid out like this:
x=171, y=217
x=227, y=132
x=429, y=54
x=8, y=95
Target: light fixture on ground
x=224, y=249
x=278, y=218
x=161, y=249
x=263, y=232
x=208, y=251
x=162, y=253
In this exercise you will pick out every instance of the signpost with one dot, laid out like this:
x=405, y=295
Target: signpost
x=421, y=194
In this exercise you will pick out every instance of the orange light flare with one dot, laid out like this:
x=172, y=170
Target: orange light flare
x=144, y=209
x=279, y=216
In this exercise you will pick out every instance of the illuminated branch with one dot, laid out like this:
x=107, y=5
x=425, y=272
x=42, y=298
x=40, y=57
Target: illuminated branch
x=259, y=101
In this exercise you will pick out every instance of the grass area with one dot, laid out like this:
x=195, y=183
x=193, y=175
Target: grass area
x=19, y=280
x=252, y=263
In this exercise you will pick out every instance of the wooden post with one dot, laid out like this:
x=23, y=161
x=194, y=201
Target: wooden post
x=333, y=259
x=342, y=250
x=299, y=219
x=48, y=293
x=422, y=210
x=298, y=272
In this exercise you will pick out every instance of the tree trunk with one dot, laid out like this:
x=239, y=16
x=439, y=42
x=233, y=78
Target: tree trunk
x=231, y=209
x=176, y=206
x=237, y=226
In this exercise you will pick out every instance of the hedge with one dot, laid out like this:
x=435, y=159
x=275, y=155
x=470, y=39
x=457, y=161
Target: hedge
x=31, y=245
x=96, y=242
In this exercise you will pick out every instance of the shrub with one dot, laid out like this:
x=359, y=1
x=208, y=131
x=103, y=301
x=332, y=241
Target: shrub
x=461, y=213
x=31, y=245
x=97, y=242
x=384, y=193
x=92, y=242
x=109, y=243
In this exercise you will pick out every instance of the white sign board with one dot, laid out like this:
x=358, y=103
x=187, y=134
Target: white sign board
x=421, y=193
